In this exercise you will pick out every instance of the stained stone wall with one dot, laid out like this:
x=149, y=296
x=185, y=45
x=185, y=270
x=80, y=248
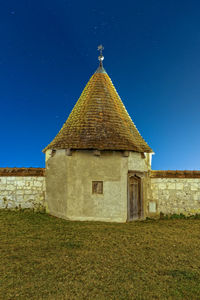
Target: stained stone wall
x=174, y=193
x=22, y=188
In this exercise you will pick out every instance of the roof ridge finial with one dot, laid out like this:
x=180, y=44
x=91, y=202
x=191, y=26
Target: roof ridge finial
x=101, y=57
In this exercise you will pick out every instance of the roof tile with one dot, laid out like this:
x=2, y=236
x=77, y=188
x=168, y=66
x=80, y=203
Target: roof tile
x=99, y=120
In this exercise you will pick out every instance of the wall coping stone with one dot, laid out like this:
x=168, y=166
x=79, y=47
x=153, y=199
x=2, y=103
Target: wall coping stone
x=174, y=174
x=153, y=174
x=22, y=172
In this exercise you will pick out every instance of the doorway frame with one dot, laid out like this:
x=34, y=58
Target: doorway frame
x=139, y=175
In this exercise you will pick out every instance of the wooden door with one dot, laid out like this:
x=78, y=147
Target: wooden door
x=134, y=198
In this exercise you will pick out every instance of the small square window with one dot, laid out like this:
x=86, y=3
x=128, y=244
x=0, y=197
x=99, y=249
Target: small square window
x=97, y=187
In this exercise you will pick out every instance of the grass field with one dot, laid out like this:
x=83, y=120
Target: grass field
x=43, y=257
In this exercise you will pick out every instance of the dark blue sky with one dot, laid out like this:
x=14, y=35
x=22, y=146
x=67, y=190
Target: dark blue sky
x=152, y=54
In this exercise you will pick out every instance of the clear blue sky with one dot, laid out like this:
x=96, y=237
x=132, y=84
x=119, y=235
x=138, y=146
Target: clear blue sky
x=152, y=54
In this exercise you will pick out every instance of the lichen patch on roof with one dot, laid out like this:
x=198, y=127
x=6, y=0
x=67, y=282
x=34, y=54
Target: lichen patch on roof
x=99, y=120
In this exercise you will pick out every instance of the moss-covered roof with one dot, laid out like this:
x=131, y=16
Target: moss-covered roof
x=99, y=120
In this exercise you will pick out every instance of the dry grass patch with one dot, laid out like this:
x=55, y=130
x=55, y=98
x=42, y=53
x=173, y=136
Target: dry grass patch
x=43, y=257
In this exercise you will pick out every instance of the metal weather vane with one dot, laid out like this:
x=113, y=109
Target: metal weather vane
x=101, y=57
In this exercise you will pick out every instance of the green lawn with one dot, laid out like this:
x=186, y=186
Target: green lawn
x=43, y=257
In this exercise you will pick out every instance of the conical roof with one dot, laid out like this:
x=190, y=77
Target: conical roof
x=99, y=120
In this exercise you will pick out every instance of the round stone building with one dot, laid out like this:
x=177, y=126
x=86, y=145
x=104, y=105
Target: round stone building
x=97, y=166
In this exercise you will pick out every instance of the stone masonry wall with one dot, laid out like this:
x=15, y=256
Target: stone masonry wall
x=169, y=192
x=22, y=188
x=175, y=192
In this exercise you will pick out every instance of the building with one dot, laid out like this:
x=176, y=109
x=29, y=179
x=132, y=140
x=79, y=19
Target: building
x=97, y=165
